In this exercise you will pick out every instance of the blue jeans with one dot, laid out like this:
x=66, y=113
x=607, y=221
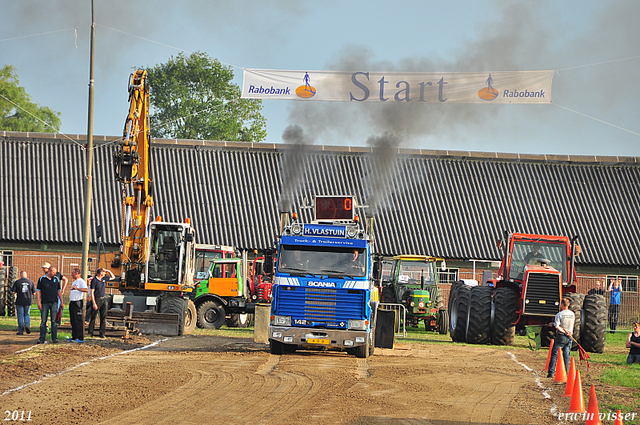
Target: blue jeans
x=49, y=310
x=633, y=358
x=24, y=318
x=561, y=342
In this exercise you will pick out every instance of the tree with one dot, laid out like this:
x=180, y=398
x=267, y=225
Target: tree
x=193, y=97
x=18, y=112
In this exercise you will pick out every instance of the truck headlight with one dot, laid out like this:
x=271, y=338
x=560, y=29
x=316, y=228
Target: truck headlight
x=357, y=324
x=282, y=320
x=348, y=343
x=360, y=339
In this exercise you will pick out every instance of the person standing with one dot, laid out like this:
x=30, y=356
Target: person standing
x=98, y=298
x=597, y=290
x=614, y=303
x=633, y=343
x=48, y=292
x=24, y=290
x=563, y=323
x=76, y=311
x=63, y=283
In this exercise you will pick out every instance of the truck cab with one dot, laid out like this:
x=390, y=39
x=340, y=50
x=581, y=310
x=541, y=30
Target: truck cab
x=323, y=293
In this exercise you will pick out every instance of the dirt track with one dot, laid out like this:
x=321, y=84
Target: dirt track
x=202, y=380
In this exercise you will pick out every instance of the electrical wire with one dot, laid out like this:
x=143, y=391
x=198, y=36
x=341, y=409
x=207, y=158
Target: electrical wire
x=39, y=34
x=596, y=119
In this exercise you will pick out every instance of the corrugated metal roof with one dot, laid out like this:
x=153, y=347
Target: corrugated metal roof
x=450, y=204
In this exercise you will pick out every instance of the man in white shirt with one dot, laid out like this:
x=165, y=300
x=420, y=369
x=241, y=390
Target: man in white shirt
x=563, y=323
x=78, y=288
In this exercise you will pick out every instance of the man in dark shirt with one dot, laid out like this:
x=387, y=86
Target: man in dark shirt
x=597, y=290
x=24, y=290
x=98, y=286
x=63, y=283
x=48, y=292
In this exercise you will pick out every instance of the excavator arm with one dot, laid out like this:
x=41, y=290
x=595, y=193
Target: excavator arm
x=133, y=172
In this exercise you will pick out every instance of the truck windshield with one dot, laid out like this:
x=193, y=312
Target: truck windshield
x=411, y=272
x=329, y=261
x=203, y=262
x=528, y=253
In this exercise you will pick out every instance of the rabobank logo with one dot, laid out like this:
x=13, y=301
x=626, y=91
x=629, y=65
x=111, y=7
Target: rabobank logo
x=488, y=93
x=306, y=90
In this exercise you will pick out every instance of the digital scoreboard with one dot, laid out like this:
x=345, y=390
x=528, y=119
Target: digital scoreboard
x=334, y=208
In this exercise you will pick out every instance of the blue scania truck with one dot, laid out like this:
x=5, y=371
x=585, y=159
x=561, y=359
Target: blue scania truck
x=323, y=294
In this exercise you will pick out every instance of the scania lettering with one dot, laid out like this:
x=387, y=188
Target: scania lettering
x=323, y=294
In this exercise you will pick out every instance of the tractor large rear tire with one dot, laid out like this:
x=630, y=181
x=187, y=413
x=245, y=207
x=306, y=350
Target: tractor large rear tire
x=453, y=294
x=479, y=327
x=11, y=298
x=3, y=292
x=594, y=323
x=575, y=306
x=211, y=315
x=240, y=320
x=505, y=304
x=460, y=313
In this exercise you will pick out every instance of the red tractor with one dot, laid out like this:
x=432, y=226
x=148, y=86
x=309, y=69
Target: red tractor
x=261, y=279
x=536, y=272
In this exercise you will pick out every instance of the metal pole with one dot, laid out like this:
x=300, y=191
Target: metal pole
x=88, y=188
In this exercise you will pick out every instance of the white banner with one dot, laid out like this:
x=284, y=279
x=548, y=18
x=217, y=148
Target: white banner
x=410, y=87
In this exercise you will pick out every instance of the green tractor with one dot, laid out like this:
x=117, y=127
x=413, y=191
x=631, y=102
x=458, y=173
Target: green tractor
x=414, y=284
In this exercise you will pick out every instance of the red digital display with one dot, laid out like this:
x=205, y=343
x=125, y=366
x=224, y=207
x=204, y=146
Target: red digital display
x=334, y=208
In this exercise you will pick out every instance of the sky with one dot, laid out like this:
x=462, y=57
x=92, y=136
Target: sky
x=593, y=46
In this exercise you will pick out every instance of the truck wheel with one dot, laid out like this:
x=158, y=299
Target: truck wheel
x=575, y=306
x=211, y=315
x=174, y=305
x=594, y=323
x=276, y=347
x=479, y=326
x=11, y=298
x=242, y=320
x=191, y=318
x=3, y=293
x=362, y=352
x=505, y=303
x=443, y=322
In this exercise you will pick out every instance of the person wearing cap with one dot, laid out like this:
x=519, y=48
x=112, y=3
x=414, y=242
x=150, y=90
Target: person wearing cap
x=633, y=343
x=63, y=281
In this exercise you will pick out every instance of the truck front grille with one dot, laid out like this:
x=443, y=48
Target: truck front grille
x=321, y=304
x=542, y=294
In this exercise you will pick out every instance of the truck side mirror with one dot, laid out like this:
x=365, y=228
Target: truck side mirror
x=268, y=263
x=377, y=270
x=188, y=237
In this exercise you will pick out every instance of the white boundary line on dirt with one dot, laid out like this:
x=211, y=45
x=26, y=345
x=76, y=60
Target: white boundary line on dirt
x=546, y=395
x=79, y=365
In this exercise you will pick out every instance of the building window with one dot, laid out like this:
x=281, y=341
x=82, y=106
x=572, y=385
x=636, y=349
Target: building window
x=629, y=283
x=450, y=276
x=7, y=257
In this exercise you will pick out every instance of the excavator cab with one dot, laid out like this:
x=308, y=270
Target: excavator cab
x=171, y=254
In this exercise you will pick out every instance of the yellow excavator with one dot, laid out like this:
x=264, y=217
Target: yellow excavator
x=157, y=258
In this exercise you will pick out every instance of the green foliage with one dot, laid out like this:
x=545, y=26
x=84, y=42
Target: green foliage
x=193, y=97
x=27, y=116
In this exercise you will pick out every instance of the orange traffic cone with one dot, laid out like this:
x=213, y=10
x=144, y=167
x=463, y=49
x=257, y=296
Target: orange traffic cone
x=618, y=418
x=593, y=413
x=577, y=398
x=546, y=368
x=568, y=392
x=561, y=372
